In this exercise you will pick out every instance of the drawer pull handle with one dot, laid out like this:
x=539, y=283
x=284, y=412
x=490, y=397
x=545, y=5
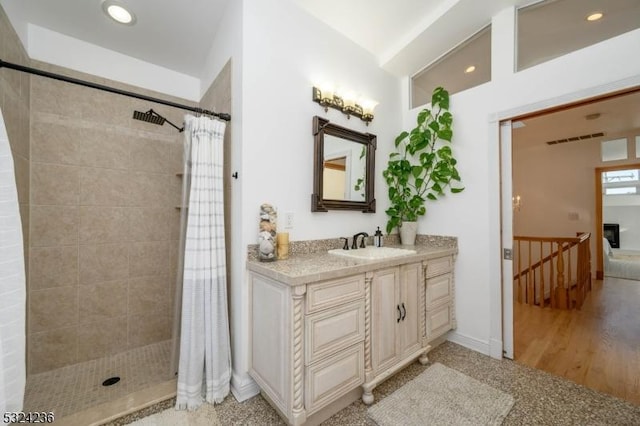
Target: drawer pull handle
x=399, y=313
x=404, y=312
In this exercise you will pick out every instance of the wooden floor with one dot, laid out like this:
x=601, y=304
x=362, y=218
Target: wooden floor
x=598, y=346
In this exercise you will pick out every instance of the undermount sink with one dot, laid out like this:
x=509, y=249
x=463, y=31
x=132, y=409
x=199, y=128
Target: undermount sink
x=373, y=252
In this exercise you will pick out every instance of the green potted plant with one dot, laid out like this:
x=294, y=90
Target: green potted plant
x=421, y=167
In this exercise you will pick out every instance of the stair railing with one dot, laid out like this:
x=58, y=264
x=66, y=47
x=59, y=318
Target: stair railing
x=553, y=271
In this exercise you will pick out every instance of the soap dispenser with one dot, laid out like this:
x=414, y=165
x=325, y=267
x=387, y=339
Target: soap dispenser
x=377, y=238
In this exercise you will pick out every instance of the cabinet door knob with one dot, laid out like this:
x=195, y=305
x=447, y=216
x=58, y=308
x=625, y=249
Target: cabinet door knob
x=404, y=312
x=399, y=313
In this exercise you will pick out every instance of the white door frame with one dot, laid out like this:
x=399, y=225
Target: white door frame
x=501, y=309
x=506, y=210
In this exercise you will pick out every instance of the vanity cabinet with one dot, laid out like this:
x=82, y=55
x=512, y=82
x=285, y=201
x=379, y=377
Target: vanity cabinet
x=397, y=325
x=319, y=344
x=307, y=342
x=439, y=297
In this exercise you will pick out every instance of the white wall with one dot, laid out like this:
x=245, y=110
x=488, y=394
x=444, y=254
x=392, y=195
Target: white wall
x=228, y=45
x=12, y=285
x=286, y=51
x=474, y=215
x=58, y=49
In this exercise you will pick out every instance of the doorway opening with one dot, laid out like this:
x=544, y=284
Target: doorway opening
x=551, y=168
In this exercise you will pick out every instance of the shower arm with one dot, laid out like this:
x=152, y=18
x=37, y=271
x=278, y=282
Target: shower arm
x=29, y=70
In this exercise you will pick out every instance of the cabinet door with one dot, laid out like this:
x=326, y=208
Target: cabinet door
x=410, y=282
x=384, y=318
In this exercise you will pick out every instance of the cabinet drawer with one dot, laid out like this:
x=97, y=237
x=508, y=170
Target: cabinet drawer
x=333, y=377
x=334, y=329
x=438, y=321
x=439, y=266
x=439, y=289
x=331, y=293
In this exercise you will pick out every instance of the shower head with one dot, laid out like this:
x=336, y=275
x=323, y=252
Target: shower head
x=150, y=117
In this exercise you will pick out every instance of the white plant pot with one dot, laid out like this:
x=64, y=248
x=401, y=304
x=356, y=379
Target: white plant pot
x=408, y=232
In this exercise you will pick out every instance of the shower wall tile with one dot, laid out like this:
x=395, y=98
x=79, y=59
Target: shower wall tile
x=99, y=148
x=54, y=225
x=103, y=221
x=21, y=170
x=103, y=262
x=149, y=224
x=15, y=111
x=103, y=107
x=148, y=295
x=53, y=267
x=176, y=190
x=177, y=157
x=53, y=349
x=150, y=190
x=55, y=184
x=99, y=302
x=53, y=142
x=25, y=216
x=151, y=155
x=52, y=96
x=102, y=338
x=151, y=258
x=103, y=187
x=101, y=225
x=148, y=328
x=53, y=308
x=174, y=223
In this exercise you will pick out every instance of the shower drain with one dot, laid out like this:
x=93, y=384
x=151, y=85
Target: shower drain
x=111, y=381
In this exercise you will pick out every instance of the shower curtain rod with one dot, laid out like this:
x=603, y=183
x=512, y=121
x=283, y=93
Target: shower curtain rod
x=3, y=64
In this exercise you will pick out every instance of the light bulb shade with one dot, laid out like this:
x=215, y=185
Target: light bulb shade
x=327, y=90
x=349, y=100
x=119, y=12
x=368, y=106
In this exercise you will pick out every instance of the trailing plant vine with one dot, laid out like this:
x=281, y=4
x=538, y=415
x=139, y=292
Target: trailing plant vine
x=422, y=166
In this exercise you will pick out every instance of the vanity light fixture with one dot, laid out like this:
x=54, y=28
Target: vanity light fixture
x=595, y=16
x=119, y=12
x=346, y=101
x=517, y=202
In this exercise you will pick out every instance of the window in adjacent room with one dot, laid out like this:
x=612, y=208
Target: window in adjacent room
x=466, y=66
x=615, y=149
x=549, y=29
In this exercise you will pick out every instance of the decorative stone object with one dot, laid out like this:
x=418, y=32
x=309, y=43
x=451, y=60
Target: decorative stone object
x=267, y=233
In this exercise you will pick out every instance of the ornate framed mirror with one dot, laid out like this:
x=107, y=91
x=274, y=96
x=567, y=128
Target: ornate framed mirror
x=343, y=168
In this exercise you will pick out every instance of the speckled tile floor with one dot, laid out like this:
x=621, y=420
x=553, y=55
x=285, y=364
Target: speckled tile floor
x=540, y=398
x=77, y=387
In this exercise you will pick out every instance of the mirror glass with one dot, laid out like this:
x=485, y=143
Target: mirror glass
x=344, y=169
x=343, y=161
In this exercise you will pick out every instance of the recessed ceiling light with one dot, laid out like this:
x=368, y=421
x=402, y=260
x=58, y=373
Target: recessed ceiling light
x=119, y=12
x=595, y=16
x=470, y=69
x=593, y=116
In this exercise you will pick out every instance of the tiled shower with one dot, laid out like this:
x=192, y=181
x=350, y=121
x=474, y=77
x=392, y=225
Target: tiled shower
x=99, y=195
x=104, y=225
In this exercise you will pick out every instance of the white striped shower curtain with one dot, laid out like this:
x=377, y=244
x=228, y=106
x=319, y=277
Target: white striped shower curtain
x=204, y=369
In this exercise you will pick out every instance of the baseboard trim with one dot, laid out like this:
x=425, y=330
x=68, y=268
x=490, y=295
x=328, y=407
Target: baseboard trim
x=496, y=348
x=243, y=387
x=469, y=342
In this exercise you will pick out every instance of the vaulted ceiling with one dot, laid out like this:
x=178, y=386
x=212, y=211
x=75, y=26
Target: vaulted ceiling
x=404, y=35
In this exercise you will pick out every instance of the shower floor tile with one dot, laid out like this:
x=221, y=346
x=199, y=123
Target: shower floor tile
x=77, y=387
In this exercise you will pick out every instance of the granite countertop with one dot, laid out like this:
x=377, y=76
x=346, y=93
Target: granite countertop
x=302, y=269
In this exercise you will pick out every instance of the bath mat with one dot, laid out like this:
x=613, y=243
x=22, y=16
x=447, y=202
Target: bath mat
x=442, y=396
x=204, y=416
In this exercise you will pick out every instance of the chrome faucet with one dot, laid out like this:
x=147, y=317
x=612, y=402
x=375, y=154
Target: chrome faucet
x=354, y=244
